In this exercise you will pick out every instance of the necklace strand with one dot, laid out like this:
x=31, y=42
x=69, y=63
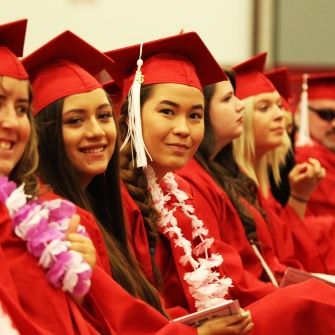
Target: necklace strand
x=205, y=284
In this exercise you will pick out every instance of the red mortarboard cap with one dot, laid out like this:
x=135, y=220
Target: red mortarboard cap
x=250, y=79
x=281, y=80
x=321, y=86
x=12, y=37
x=181, y=59
x=64, y=66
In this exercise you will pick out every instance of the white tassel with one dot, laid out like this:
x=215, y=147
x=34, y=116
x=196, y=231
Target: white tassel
x=303, y=134
x=134, y=118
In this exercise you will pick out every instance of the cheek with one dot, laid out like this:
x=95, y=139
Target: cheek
x=25, y=130
x=112, y=134
x=68, y=140
x=198, y=134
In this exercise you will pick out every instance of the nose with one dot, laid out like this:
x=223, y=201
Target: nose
x=240, y=105
x=8, y=116
x=279, y=113
x=94, y=129
x=181, y=127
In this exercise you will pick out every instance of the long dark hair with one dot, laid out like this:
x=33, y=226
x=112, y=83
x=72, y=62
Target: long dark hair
x=24, y=170
x=102, y=197
x=224, y=169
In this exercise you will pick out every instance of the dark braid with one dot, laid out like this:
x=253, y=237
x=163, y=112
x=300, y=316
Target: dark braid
x=137, y=184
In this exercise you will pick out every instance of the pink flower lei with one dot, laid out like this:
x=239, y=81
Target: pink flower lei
x=43, y=225
x=205, y=284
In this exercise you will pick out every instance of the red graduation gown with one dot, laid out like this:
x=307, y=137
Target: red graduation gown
x=322, y=201
x=302, y=299
x=285, y=239
x=112, y=310
x=312, y=237
x=247, y=288
x=220, y=214
x=48, y=308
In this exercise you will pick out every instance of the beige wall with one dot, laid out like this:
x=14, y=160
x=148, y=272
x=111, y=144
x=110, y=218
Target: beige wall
x=224, y=25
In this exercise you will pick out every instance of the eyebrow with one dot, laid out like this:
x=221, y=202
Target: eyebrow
x=174, y=104
x=3, y=96
x=83, y=110
x=23, y=100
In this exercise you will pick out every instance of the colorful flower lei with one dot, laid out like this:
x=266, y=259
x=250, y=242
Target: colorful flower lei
x=205, y=284
x=43, y=225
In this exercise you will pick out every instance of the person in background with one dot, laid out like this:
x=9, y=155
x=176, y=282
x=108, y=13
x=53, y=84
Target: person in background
x=280, y=79
x=321, y=121
x=263, y=146
x=227, y=196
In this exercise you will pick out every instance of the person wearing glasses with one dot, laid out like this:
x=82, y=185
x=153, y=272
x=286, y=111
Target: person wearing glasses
x=321, y=118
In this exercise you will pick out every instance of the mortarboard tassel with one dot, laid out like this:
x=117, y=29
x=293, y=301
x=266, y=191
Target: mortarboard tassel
x=134, y=117
x=303, y=134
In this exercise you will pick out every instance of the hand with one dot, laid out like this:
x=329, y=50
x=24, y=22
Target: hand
x=227, y=325
x=305, y=177
x=80, y=243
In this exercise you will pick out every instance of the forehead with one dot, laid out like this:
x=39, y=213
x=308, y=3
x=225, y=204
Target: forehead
x=175, y=93
x=95, y=96
x=9, y=85
x=223, y=87
x=323, y=103
x=272, y=96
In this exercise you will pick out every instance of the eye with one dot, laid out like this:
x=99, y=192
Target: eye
x=22, y=109
x=227, y=98
x=105, y=116
x=196, y=115
x=166, y=111
x=263, y=108
x=74, y=121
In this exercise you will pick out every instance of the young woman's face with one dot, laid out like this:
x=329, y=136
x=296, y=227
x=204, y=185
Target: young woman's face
x=89, y=133
x=173, y=125
x=268, y=121
x=225, y=114
x=14, y=122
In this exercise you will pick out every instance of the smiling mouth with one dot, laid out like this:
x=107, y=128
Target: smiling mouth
x=6, y=145
x=180, y=146
x=95, y=150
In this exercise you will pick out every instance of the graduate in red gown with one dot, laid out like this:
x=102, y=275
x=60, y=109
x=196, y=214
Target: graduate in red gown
x=171, y=107
x=177, y=249
x=321, y=116
x=214, y=171
x=77, y=130
x=22, y=279
x=263, y=144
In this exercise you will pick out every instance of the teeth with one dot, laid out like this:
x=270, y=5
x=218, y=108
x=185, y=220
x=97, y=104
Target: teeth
x=5, y=145
x=94, y=150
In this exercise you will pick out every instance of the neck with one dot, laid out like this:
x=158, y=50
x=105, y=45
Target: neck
x=260, y=174
x=84, y=182
x=218, y=148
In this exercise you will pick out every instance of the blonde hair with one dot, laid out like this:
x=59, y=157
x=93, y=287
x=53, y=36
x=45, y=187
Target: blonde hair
x=244, y=151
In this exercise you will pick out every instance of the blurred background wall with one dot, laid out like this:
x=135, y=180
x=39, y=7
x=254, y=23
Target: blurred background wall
x=296, y=33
